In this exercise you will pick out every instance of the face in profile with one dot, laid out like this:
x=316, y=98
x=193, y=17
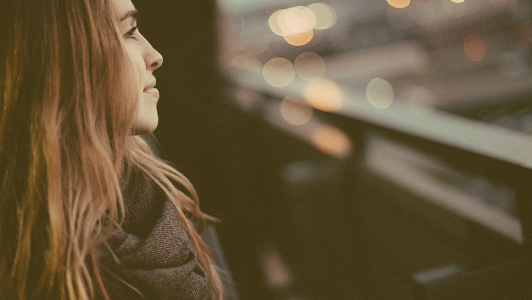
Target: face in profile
x=146, y=60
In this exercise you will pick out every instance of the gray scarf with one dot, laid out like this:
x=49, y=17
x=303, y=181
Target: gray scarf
x=154, y=250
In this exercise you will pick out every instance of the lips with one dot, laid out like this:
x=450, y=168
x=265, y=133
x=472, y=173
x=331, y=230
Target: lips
x=151, y=86
x=153, y=91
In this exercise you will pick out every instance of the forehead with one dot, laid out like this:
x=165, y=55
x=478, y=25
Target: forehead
x=122, y=8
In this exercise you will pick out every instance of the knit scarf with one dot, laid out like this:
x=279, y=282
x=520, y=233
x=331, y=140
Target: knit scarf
x=155, y=253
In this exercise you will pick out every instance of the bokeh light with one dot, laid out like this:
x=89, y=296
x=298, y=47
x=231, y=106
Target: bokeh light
x=246, y=61
x=474, y=47
x=399, y=3
x=324, y=14
x=332, y=141
x=294, y=112
x=457, y=1
x=301, y=21
x=274, y=24
x=295, y=20
x=300, y=39
x=310, y=66
x=324, y=94
x=379, y=93
x=292, y=20
x=278, y=72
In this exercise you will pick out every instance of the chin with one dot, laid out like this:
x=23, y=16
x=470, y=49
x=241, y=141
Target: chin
x=145, y=127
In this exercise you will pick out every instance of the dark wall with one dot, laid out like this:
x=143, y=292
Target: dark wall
x=184, y=33
x=197, y=131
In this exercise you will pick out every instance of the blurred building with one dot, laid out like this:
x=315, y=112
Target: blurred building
x=380, y=148
x=455, y=53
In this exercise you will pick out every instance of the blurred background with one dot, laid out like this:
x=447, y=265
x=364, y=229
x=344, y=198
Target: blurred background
x=355, y=149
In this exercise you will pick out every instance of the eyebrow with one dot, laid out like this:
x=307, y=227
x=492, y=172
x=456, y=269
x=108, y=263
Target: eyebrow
x=132, y=13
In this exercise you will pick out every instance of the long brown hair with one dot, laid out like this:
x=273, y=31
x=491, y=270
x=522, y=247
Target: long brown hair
x=64, y=140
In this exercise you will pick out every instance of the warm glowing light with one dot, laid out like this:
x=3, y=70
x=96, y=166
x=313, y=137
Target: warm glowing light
x=274, y=25
x=297, y=20
x=247, y=62
x=379, y=93
x=295, y=24
x=300, y=39
x=398, y=19
x=332, y=141
x=278, y=72
x=292, y=20
x=324, y=14
x=399, y=3
x=294, y=112
x=310, y=66
x=457, y=1
x=474, y=47
x=324, y=94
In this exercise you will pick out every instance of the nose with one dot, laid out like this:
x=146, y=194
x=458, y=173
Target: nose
x=153, y=59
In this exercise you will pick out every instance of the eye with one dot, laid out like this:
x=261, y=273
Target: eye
x=131, y=33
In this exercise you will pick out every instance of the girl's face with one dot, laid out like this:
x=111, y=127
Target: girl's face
x=146, y=60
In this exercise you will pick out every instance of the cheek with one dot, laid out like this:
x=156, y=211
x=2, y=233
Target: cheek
x=138, y=63
x=139, y=68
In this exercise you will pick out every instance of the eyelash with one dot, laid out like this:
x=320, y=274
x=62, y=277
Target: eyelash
x=131, y=32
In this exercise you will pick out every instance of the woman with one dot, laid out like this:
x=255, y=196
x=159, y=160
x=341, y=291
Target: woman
x=86, y=210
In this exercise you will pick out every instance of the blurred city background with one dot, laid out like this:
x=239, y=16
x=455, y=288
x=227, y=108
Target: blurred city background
x=355, y=149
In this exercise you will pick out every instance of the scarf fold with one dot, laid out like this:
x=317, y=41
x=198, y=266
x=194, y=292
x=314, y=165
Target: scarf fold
x=155, y=253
